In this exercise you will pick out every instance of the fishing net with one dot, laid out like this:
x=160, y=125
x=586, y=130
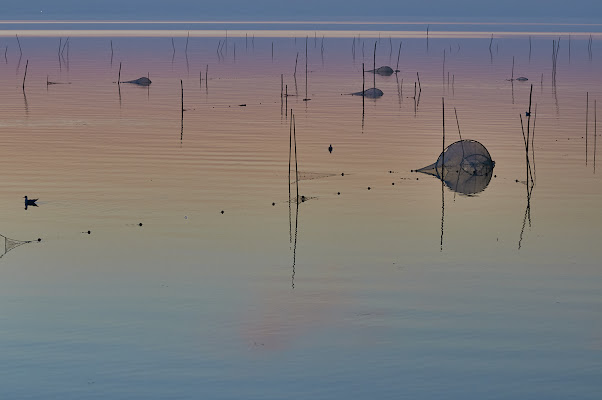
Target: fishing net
x=309, y=176
x=465, y=167
x=10, y=244
x=385, y=70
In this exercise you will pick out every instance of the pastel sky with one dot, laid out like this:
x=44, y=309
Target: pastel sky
x=273, y=9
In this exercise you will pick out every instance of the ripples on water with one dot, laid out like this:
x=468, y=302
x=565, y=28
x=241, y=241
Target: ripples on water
x=385, y=303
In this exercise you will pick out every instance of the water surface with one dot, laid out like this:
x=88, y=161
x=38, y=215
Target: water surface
x=394, y=291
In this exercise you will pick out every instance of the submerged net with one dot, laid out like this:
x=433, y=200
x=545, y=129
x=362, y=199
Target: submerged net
x=308, y=176
x=465, y=167
x=10, y=244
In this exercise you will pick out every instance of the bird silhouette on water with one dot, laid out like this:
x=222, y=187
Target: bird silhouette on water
x=30, y=202
x=330, y=149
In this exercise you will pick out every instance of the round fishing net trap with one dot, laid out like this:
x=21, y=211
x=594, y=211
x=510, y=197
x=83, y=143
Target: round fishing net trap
x=465, y=167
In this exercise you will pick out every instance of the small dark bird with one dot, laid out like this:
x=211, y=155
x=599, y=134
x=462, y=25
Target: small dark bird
x=527, y=114
x=30, y=202
x=330, y=149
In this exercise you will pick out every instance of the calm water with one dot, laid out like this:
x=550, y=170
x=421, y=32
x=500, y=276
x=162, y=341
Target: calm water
x=389, y=292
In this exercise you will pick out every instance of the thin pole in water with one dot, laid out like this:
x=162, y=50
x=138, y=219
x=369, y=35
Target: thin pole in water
x=119, y=76
x=444, y=66
x=374, y=71
x=586, y=119
x=363, y=91
x=19, y=43
x=443, y=145
x=363, y=79
x=442, y=180
x=296, y=60
x=595, y=133
x=290, y=151
x=306, y=98
x=419, y=85
x=25, y=76
x=286, y=100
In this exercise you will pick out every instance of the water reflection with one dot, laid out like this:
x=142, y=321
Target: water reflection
x=528, y=139
x=293, y=145
x=26, y=105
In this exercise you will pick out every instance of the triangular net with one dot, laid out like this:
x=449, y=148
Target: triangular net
x=465, y=167
x=10, y=244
